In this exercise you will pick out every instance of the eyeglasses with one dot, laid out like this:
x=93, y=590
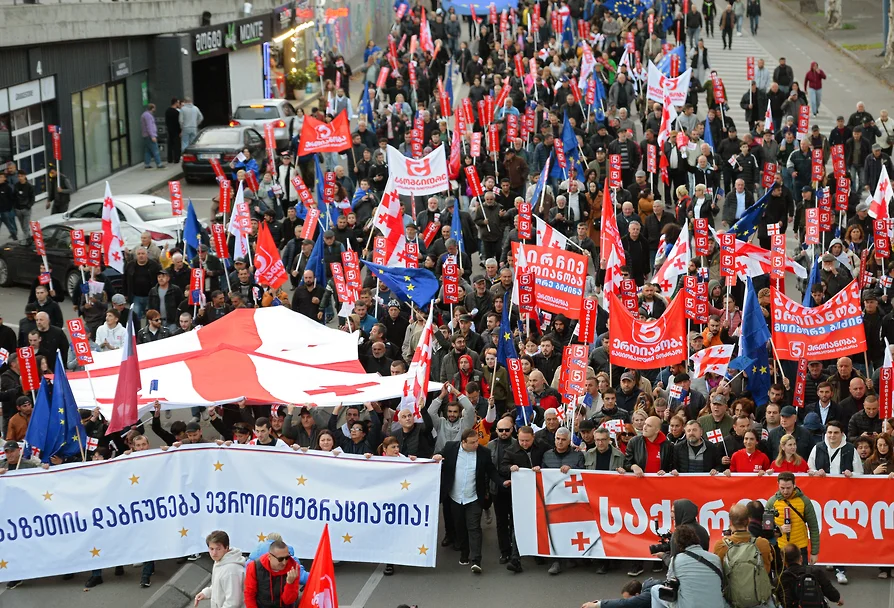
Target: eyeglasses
x=277, y=558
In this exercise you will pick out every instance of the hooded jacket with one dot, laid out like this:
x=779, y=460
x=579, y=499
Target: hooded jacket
x=265, y=588
x=801, y=528
x=226, y=581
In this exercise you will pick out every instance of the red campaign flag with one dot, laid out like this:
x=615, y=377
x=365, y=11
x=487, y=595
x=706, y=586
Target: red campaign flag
x=829, y=331
x=800, y=384
x=412, y=73
x=519, y=66
x=502, y=96
x=318, y=62
x=590, y=97
x=812, y=226
x=532, y=68
x=842, y=192
x=80, y=341
x=341, y=286
x=559, y=148
x=383, y=76
x=124, y=408
x=489, y=109
x=251, y=181
x=700, y=231
x=37, y=235
x=575, y=89
x=318, y=136
x=587, y=328
x=219, y=240
x=647, y=344
x=674, y=65
x=467, y=110
x=301, y=189
x=727, y=254
x=473, y=181
x=444, y=99
x=651, y=23
x=224, y=196
x=749, y=68
x=882, y=241
x=717, y=85
x=817, y=166
x=176, y=198
x=886, y=386
x=351, y=263
x=310, y=223
x=320, y=589
x=652, y=159
x=56, y=134
x=270, y=270
x=492, y=14
x=493, y=138
x=526, y=300
x=511, y=127
x=30, y=377
x=431, y=231
x=196, y=285
x=517, y=382
x=475, y=145
x=768, y=176
x=777, y=256
x=803, y=121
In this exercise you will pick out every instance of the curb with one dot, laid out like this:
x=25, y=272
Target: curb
x=823, y=33
x=162, y=183
x=180, y=590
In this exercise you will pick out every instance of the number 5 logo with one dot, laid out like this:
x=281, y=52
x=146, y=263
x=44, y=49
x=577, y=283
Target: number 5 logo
x=796, y=349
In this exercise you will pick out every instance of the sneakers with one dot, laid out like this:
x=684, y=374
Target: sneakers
x=13, y=584
x=145, y=583
x=601, y=568
x=635, y=570
x=883, y=574
x=93, y=581
x=476, y=569
x=464, y=561
x=555, y=567
x=739, y=34
x=514, y=566
x=504, y=559
x=192, y=558
x=841, y=577
x=658, y=566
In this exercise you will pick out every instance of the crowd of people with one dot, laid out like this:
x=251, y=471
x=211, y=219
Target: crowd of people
x=474, y=425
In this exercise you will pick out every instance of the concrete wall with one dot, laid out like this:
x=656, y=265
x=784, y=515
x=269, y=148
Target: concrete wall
x=33, y=24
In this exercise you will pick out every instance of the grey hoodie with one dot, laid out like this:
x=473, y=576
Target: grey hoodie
x=227, y=578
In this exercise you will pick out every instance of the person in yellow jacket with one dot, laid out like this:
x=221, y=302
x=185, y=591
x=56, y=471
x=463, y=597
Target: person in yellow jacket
x=800, y=527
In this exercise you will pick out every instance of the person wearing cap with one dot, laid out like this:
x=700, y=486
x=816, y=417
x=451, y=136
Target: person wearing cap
x=213, y=266
x=834, y=277
x=18, y=424
x=789, y=425
x=718, y=418
x=516, y=170
x=15, y=461
x=856, y=150
x=479, y=301
x=872, y=166
x=165, y=297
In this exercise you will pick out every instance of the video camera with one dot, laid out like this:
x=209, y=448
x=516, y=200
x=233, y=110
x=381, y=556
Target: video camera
x=664, y=545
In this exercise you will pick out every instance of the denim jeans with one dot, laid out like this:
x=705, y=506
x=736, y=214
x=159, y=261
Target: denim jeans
x=150, y=153
x=816, y=98
x=694, y=34
x=148, y=570
x=187, y=136
x=755, y=21
x=8, y=219
x=138, y=309
x=739, y=24
x=24, y=216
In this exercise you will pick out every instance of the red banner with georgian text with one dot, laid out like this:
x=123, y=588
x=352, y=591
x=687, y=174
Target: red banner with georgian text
x=646, y=344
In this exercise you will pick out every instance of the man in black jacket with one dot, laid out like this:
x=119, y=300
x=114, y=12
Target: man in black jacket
x=11, y=389
x=466, y=469
x=794, y=573
x=649, y=452
x=172, y=125
x=306, y=299
x=165, y=297
x=695, y=455
x=7, y=216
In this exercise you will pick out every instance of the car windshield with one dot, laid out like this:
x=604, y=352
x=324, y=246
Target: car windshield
x=220, y=137
x=256, y=113
x=157, y=211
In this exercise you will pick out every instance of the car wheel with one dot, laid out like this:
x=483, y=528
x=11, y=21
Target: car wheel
x=4, y=274
x=71, y=283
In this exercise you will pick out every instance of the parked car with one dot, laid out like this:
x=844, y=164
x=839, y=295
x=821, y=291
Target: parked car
x=20, y=264
x=144, y=212
x=223, y=144
x=259, y=112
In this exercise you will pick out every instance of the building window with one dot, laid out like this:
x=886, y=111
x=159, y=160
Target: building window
x=93, y=156
x=22, y=142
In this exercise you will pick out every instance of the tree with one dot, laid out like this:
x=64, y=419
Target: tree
x=833, y=14
x=889, y=45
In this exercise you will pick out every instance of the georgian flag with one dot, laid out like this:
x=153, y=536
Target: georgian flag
x=240, y=224
x=677, y=263
x=668, y=117
x=612, y=273
x=543, y=54
x=416, y=386
x=753, y=261
x=768, y=120
x=675, y=391
x=773, y=229
x=549, y=237
x=886, y=281
x=714, y=359
x=615, y=427
x=715, y=436
x=112, y=242
x=878, y=207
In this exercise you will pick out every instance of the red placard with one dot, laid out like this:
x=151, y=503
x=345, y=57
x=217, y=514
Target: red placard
x=803, y=121
x=428, y=236
x=269, y=136
x=379, y=248
x=467, y=110
x=695, y=299
x=749, y=68
x=559, y=148
x=525, y=221
x=383, y=76
x=224, y=196
x=37, y=235
x=301, y=189
x=587, y=327
x=251, y=182
x=77, y=237
x=627, y=294
x=28, y=369
x=450, y=273
x=519, y=66
x=651, y=23
x=777, y=256
x=652, y=159
x=318, y=62
x=56, y=134
x=811, y=226
x=816, y=165
x=727, y=254
x=79, y=253
x=842, y=193
x=800, y=384
x=94, y=256
x=196, y=284
x=839, y=167
x=218, y=170
x=560, y=277
x=717, y=85
x=176, y=198
x=526, y=303
x=493, y=138
x=492, y=14
x=614, y=170
x=473, y=181
x=882, y=240
x=517, y=382
x=310, y=223
x=80, y=341
x=886, y=388
x=701, y=234
x=488, y=109
x=475, y=145
x=511, y=127
x=412, y=255
x=219, y=241
x=768, y=176
x=351, y=263
x=341, y=286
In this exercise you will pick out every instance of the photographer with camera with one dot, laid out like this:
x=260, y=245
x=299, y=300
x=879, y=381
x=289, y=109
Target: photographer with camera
x=796, y=517
x=747, y=563
x=694, y=576
x=804, y=586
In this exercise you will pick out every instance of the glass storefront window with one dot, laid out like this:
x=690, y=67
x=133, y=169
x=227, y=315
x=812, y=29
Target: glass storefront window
x=100, y=132
x=22, y=142
x=77, y=120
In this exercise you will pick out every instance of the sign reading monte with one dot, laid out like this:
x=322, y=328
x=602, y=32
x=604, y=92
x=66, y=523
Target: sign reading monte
x=232, y=36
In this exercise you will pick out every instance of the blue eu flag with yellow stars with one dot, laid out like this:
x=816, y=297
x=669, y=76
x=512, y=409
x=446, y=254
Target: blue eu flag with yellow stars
x=417, y=285
x=505, y=347
x=55, y=427
x=624, y=8
x=753, y=344
x=746, y=226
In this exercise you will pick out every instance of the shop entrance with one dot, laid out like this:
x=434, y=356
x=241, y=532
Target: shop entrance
x=211, y=89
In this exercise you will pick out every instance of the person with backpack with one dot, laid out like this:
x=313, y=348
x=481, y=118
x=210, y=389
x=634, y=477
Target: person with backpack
x=697, y=572
x=804, y=586
x=796, y=517
x=747, y=563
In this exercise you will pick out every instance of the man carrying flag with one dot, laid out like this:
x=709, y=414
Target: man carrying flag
x=124, y=409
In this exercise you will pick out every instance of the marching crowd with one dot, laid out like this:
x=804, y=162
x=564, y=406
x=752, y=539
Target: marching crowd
x=665, y=421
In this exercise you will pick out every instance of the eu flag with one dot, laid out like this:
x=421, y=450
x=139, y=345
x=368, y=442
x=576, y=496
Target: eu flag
x=192, y=231
x=315, y=262
x=456, y=228
x=624, y=8
x=448, y=86
x=664, y=65
x=753, y=344
x=541, y=182
x=37, y=437
x=72, y=435
x=813, y=280
x=366, y=106
x=567, y=34
x=417, y=285
x=572, y=149
x=709, y=137
x=746, y=226
x=505, y=347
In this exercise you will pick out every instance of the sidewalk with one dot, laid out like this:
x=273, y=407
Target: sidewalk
x=860, y=36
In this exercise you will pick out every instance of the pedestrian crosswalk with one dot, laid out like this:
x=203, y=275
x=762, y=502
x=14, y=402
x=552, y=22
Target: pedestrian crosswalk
x=731, y=66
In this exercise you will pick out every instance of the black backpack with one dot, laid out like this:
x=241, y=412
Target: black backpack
x=808, y=591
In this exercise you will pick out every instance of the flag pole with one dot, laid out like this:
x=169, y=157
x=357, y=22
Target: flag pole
x=778, y=360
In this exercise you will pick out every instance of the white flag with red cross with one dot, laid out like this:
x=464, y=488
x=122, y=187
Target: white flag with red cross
x=714, y=359
x=677, y=263
x=715, y=436
x=547, y=236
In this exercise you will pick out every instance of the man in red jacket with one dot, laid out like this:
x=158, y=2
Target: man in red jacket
x=271, y=581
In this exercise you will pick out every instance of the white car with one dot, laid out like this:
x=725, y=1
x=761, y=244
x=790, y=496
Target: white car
x=258, y=112
x=142, y=211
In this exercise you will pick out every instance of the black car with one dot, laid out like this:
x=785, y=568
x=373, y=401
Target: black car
x=223, y=144
x=20, y=264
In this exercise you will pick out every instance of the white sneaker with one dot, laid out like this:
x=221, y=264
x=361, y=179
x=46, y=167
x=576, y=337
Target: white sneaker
x=841, y=577
x=739, y=34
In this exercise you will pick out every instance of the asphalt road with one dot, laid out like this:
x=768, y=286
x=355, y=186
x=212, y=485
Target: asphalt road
x=450, y=584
